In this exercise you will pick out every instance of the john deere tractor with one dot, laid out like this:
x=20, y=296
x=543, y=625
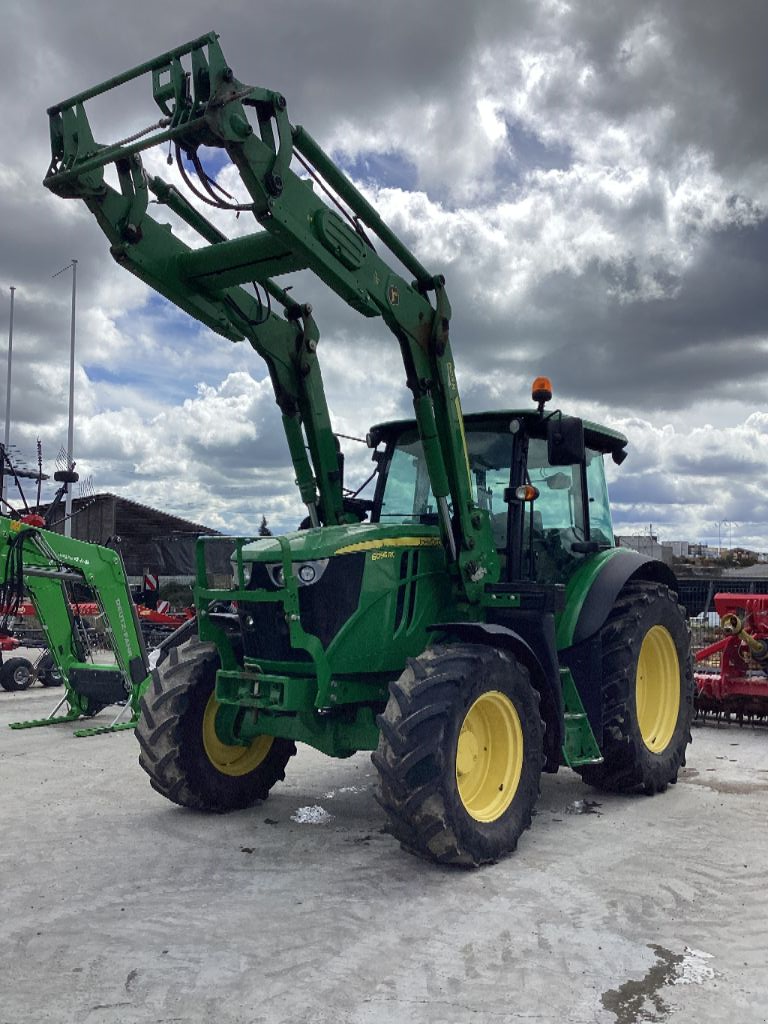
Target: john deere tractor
x=473, y=623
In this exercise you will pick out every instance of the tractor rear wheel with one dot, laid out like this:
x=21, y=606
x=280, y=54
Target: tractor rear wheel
x=460, y=754
x=181, y=751
x=647, y=692
x=16, y=674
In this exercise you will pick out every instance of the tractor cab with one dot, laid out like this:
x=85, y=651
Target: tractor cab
x=540, y=477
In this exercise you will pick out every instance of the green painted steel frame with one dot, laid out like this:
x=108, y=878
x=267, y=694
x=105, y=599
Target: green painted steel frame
x=580, y=745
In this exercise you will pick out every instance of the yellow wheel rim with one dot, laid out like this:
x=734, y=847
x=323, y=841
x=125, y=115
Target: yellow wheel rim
x=226, y=758
x=489, y=756
x=658, y=689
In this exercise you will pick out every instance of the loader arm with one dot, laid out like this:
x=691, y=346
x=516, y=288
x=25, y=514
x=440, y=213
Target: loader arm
x=204, y=106
x=47, y=565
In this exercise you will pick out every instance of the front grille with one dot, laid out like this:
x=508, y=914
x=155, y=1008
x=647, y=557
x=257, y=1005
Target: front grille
x=324, y=606
x=265, y=633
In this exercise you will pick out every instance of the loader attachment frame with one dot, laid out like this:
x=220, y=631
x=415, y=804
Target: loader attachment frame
x=203, y=106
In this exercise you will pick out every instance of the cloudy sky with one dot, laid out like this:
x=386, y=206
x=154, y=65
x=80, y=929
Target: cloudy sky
x=591, y=177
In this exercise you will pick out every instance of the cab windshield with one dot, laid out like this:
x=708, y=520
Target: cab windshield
x=407, y=495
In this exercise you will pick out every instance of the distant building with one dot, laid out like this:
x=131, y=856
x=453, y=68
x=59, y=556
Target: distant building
x=646, y=544
x=149, y=540
x=681, y=548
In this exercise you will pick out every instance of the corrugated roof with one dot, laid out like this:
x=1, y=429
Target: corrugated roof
x=134, y=517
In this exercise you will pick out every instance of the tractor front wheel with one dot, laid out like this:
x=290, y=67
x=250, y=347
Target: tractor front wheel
x=647, y=692
x=460, y=754
x=181, y=751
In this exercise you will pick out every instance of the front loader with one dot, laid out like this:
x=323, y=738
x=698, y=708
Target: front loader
x=473, y=624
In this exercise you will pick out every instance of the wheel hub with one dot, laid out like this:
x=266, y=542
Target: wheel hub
x=231, y=759
x=658, y=689
x=489, y=756
x=466, y=753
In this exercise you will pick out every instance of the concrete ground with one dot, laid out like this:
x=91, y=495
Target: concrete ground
x=118, y=907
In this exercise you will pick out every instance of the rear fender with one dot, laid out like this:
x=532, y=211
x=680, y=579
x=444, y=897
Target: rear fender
x=592, y=592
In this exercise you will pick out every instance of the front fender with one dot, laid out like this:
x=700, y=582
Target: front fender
x=540, y=661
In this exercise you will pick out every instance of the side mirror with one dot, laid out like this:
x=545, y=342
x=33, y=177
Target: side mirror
x=565, y=441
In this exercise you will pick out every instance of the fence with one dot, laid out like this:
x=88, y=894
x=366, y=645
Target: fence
x=697, y=595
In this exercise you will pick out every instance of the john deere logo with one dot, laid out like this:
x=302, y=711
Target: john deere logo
x=393, y=295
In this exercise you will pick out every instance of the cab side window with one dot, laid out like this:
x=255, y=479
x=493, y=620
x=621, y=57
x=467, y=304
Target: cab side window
x=600, y=527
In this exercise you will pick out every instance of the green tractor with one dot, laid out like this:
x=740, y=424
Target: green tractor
x=472, y=623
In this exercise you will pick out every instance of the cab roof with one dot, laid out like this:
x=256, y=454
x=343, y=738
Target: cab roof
x=596, y=437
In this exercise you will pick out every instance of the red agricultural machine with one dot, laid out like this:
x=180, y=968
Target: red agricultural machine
x=732, y=673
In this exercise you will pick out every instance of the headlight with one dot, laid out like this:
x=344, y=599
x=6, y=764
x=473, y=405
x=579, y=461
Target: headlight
x=306, y=573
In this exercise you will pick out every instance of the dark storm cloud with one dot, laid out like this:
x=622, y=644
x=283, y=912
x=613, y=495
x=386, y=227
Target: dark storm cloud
x=708, y=336
x=701, y=60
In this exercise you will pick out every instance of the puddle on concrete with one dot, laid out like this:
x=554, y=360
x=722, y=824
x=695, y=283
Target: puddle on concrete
x=695, y=969
x=640, y=1001
x=721, y=786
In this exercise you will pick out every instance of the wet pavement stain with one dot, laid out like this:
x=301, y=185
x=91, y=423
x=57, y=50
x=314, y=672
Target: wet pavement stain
x=721, y=786
x=638, y=1001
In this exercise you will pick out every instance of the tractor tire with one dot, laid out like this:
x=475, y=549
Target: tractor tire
x=647, y=692
x=47, y=672
x=460, y=754
x=180, y=751
x=16, y=674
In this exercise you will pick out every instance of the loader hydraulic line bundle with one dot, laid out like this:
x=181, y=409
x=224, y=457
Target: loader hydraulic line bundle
x=473, y=624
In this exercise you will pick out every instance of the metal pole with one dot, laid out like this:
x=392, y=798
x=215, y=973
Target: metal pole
x=71, y=427
x=8, y=387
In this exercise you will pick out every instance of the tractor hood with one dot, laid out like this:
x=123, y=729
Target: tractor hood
x=328, y=541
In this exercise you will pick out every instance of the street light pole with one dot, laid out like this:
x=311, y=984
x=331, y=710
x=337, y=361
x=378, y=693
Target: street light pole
x=8, y=387
x=71, y=423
